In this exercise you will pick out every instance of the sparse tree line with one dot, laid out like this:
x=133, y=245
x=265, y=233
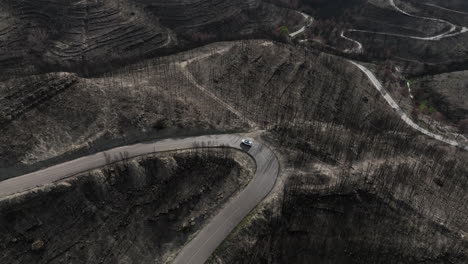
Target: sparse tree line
x=341, y=223
x=335, y=128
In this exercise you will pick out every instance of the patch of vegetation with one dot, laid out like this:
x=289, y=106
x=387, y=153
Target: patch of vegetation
x=284, y=30
x=426, y=108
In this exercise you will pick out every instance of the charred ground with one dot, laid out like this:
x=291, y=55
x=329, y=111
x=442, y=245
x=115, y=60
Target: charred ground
x=357, y=184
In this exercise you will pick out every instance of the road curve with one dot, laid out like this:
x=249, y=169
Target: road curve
x=450, y=33
x=200, y=248
x=376, y=83
x=453, y=31
x=358, y=44
x=309, y=21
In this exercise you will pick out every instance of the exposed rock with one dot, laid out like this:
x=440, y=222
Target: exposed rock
x=37, y=245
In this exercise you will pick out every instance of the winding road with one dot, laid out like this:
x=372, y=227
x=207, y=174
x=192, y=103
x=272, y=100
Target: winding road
x=376, y=83
x=200, y=248
x=453, y=31
x=309, y=21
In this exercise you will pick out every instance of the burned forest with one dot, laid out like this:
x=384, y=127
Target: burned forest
x=241, y=131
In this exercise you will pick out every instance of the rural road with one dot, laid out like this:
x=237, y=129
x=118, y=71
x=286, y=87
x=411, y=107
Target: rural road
x=199, y=249
x=448, y=33
x=454, y=30
x=376, y=83
x=210, y=237
x=309, y=21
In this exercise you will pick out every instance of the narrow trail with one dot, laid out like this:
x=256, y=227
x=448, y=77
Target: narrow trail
x=184, y=69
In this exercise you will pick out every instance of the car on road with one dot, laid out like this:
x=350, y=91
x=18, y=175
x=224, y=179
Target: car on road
x=247, y=142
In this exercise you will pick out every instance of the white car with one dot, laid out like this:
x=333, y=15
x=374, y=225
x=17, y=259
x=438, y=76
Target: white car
x=247, y=142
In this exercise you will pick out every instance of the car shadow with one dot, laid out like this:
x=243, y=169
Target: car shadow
x=245, y=147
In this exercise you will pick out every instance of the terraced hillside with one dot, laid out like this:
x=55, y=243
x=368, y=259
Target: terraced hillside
x=203, y=20
x=88, y=35
x=360, y=180
x=71, y=33
x=197, y=13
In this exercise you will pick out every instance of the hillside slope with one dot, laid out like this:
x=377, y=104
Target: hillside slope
x=88, y=36
x=139, y=211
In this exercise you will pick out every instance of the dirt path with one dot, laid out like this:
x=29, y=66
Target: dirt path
x=184, y=68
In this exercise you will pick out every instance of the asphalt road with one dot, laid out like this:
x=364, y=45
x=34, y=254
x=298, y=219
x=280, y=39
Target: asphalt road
x=376, y=83
x=448, y=33
x=454, y=30
x=200, y=248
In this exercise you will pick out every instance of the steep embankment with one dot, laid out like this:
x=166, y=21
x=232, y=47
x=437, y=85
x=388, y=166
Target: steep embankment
x=142, y=210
